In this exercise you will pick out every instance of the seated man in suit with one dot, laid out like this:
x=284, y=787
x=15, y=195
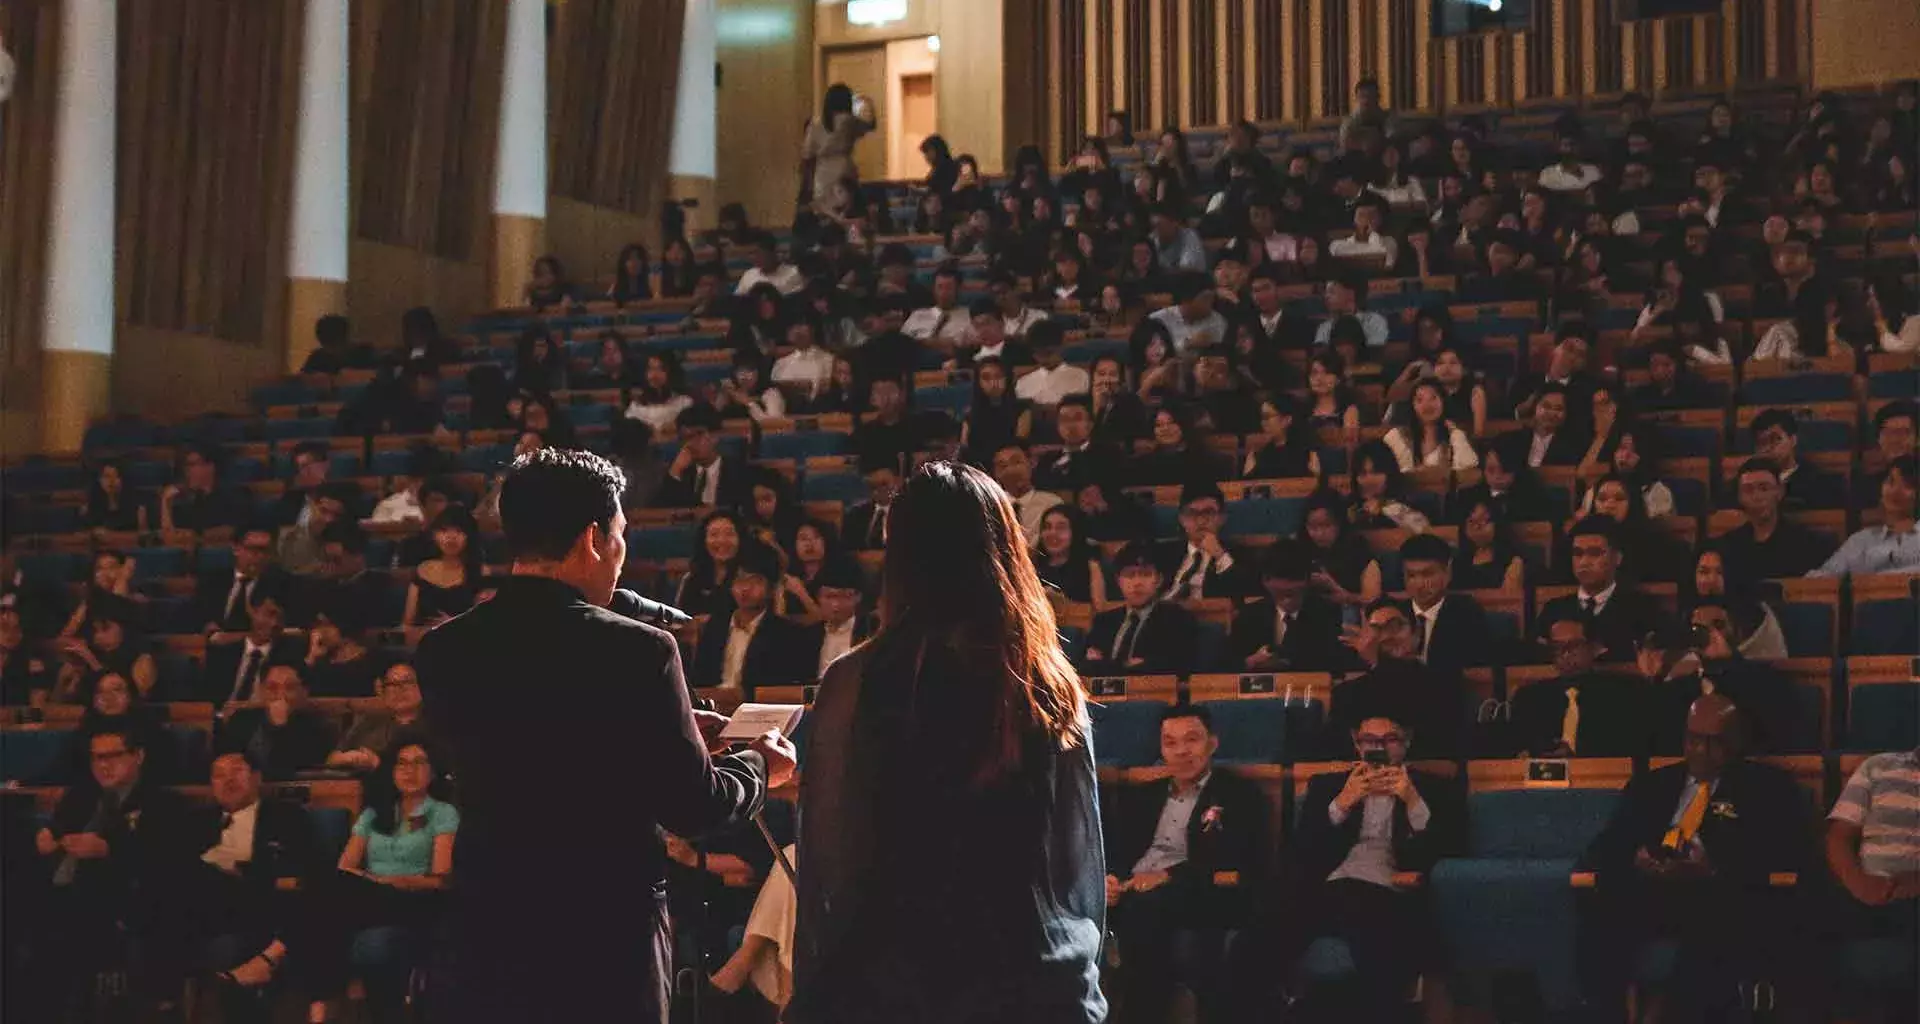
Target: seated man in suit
x=1776, y=438
x=841, y=626
x=1872, y=834
x=1450, y=631
x=1768, y=546
x=221, y=599
x=700, y=477
x=1686, y=856
x=1619, y=617
x=1167, y=843
x=1145, y=634
x=1704, y=657
x=111, y=846
x=236, y=662
x=865, y=525
x=1582, y=713
x=278, y=729
x=1294, y=629
x=1356, y=830
x=227, y=896
x=752, y=647
x=1080, y=460
x=1394, y=683
x=1199, y=565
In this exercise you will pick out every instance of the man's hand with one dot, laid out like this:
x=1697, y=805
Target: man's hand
x=1396, y=783
x=1114, y=888
x=1873, y=890
x=682, y=461
x=44, y=842
x=780, y=756
x=279, y=712
x=84, y=845
x=1260, y=657
x=1359, y=786
x=681, y=852
x=1209, y=544
x=710, y=723
x=1147, y=881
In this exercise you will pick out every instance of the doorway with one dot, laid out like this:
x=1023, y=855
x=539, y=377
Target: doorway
x=911, y=67
x=864, y=70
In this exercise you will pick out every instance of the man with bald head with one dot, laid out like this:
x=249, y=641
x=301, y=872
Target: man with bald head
x=1687, y=856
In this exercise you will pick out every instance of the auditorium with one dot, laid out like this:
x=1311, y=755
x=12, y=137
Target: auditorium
x=1401, y=403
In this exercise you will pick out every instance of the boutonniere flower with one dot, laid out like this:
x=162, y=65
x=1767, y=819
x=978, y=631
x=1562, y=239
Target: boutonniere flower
x=1723, y=809
x=1211, y=820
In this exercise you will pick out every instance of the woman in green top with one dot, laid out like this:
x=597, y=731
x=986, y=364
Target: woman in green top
x=390, y=874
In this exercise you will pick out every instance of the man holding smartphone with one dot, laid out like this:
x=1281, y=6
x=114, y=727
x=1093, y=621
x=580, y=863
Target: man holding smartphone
x=1363, y=836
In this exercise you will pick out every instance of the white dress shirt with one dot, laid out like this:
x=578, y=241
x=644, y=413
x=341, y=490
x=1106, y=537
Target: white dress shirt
x=1189, y=583
x=1169, y=846
x=1557, y=178
x=1594, y=604
x=1537, y=451
x=786, y=277
x=809, y=367
x=949, y=325
x=398, y=507
x=236, y=840
x=1032, y=507
x=734, y=662
x=1371, y=859
x=1047, y=387
x=240, y=689
x=1019, y=324
x=1376, y=244
x=835, y=641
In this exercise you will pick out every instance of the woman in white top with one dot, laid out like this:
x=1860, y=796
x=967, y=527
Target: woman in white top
x=1675, y=300
x=1393, y=184
x=1628, y=458
x=746, y=394
x=661, y=397
x=1425, y=437
x=827, y=149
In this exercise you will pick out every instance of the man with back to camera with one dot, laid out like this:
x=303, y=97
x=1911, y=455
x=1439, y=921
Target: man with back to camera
x=537, y=938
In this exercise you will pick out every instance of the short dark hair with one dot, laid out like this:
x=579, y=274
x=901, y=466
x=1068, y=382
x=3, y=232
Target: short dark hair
x=1201, y=490
x=1425, y=547
x=1285, y=561
x=1353, y=283
x=1771, y=418
x=700, y=416
x=1136, y=555
x=129, y=736
x=551, y=495
x=1079, y=399
x=330, y=330
x=315, y=449
x=1045, y=334
x=756, y=560
x=1595, y=526
x=1392, y=603
x=1758, y=465
x=1175, y=712
x=1908, y=466
x=1894, y=410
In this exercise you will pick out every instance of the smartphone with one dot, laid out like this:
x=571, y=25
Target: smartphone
x=1376, y=757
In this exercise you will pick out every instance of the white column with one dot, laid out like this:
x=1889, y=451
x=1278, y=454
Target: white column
x=695, y=107
x=318, y=246
x=520, y=162
x=79, y=296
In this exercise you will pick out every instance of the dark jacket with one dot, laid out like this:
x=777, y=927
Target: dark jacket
x=1758, y=822
x=210, y=593
x=858, y=531
x=286, y=750
x=1317, y=846
x=1766, y=699
x=1461, y=638
x=1312, y=643
x=1167, y=641
x=734, y=487
x=567, y=944
x=284, y=844
x=1613, y=716
x=898, y=834
x=1230, y=830
x=1429, y=703
x=221, y=666
x=147, y=839
x=1066, y=472
x=773, y=655
x=1236, y=582
x=1623, y=621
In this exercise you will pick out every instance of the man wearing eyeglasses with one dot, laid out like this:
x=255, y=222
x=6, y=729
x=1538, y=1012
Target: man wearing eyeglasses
x=1357, y=830
x=1616, y=614
x=1431, y=703
x=1199, y=564
x=1582, y=713
x=1687, y=856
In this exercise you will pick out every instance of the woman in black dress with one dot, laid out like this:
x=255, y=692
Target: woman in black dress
x=1487, y=558
x=1287, y=449
x=996, y=418
x=950, y=790
x=109, y=506
x=1066, y=559
x=448, y=583
x=1343, y=566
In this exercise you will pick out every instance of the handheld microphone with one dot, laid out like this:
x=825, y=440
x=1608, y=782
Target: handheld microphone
x=641, y=609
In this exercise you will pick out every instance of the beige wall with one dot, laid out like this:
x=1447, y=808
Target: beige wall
x=1842, y=30
x=174, y=375
x=589, y=238
x=765, y=96
x=385, y=281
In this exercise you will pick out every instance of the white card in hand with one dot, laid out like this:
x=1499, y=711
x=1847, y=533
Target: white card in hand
x=750, y=721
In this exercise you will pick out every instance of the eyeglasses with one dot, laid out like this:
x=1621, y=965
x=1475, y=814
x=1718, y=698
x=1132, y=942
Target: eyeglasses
x=413, y=762
x=1392, y=739
x=103, y=756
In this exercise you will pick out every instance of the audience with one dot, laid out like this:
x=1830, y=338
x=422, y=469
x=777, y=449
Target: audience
x=278, y=727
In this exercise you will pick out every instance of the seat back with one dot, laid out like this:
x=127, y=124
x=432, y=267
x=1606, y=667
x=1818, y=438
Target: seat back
x=1510, y=817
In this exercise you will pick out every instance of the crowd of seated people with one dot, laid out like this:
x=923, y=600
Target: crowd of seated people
x=1407, y=412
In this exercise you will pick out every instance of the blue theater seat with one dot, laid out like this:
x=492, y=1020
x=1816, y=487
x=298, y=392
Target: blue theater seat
x=802, y=444
x=29, y=755
x=1126, y=734
x=1885, y=716
x=1886, y=627
x=660, y=543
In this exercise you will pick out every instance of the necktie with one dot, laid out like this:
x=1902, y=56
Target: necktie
x=1280, y=634
x=939, y=325
x=243, y=686
x=1680, y=835
x=1191, y=580
x=1123, y=640
x=1570, y=722
x=103, y=812
x=235, y=596
x=1424, y=637
x=1586, y=605
x=700, y=486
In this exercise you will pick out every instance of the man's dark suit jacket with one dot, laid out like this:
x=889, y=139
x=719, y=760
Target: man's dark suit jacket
x=1461, y=638
x=1613, y=716
x=284, y=845
x=1759, y=822
x=505, y=686
x=1239, y=838
x=284, y=751
x=858, y=531
x=147, y=840
x=1312, y=643
x=1791, y=551
x=1237, y=582
x=1622, y=622
x=732, y=491
x=1810, y=488
x=1317, y=846
x=1066, y=472
x=773, y=655
x=221, y=665
x=1167, y=641
x=210, y=599
x=1567, y=448
x=1430, y=703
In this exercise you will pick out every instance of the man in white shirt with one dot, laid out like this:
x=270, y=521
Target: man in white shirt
x=768, y=268
x=1191, y=320
x=752, y=646
x=1013, y=469
x=1570, y=174
x=808, y=368
x=1199, y=564
x=1279, y=247
x=840, y=627
x=1018, y=318
x=1369, y=215
x=403, y=505
x=1345, y=296
x=1053, y=378
x=946, y=323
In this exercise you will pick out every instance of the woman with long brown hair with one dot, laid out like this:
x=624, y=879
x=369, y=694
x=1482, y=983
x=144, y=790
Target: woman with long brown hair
x=950, y=820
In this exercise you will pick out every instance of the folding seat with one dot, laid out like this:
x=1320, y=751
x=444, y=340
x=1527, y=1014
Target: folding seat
x=660, y=543
x=1125, y=711
x=1886, y=615
x=1809, y=615
x=1263, y=718
x=157, y=563
x=32, y=756
x=1883, y=704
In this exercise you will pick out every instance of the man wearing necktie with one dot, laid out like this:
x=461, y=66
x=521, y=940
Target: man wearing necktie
x=235, y=665
x=1583, y=713
x=1144, y=634
x=1449, y=630
x=1200, y=565
x=221, y=599
x=1294, y=629
x=1618, y=614
x=1688, y=856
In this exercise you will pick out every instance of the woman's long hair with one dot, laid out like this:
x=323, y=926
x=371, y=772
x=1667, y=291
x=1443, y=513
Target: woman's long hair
x=958, y=574
x=838, y=100
x=383, y=797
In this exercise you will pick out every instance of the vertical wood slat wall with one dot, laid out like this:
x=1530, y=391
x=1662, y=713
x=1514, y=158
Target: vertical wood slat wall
x=1297, y=60
x=612, y=75
x=207, y=101
x=32, y=30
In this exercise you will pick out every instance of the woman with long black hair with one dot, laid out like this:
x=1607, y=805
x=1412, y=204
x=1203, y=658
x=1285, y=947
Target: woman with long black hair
x=950, y=823
x=827, y=150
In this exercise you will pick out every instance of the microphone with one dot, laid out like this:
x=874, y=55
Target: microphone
x=641, y=609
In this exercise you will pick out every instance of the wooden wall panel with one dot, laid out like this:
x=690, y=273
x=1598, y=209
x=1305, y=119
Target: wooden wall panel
x=207, y=104
x=32, y=30
x=425, y=112
x=613, y=70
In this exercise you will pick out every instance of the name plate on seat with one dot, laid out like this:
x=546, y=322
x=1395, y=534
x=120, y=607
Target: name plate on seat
x=1543, y=773
x=1107, y=686
x=1256, y=684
